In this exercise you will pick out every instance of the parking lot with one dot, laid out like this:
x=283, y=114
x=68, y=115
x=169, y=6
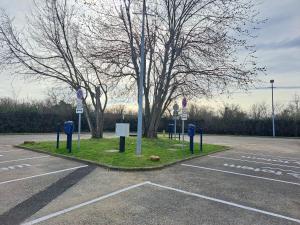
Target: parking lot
x=256, y=182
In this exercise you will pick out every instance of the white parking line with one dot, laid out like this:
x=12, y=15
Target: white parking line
x=1, y=155
x=84, y=204
x=14, y=150
x=247, y=153
x=58, y=213
x=244, y=160
x=15, y=160
x=241, y=174
x=14, y=167
x=228, y=203
x=43, y=174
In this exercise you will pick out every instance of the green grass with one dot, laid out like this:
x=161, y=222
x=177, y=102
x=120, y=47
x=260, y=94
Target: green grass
x=96, y=150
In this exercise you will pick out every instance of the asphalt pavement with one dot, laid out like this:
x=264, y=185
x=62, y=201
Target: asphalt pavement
x=257, y=181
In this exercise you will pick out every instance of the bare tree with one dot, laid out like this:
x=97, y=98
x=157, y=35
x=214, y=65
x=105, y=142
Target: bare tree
x=259, y=111
x=191, y=48
x=53, y=46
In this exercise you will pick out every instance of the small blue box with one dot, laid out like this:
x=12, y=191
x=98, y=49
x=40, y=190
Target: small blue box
x=171, y=128
x=69, y=127
x=191, y=130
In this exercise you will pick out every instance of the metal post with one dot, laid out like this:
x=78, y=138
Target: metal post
x=192, y=144
x=182, y=130
x=79, y=130
x=140, y=88
x=57, y=135
x=273, y=113
x=175, y=127
x=122, y=144
x=70, y=143
x=97, y=109
x=201, y=139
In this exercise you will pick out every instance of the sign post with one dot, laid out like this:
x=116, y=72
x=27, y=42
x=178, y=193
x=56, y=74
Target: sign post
x=175, y=114
x=79, y=111
x=183, y=115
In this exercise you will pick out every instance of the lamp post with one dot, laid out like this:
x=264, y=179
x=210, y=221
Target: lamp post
x=273, y=114
x=140, y=88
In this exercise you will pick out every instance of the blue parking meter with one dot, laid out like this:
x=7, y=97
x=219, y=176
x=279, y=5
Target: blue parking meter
x=69, y=128
x=191, y=133
x=171, y=130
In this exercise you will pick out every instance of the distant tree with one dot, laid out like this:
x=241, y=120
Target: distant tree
x=53, y=47
x=259, y=111
x=191, y=48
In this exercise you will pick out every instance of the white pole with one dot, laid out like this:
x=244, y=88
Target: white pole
x=183, y=131
x=141, y=83
x=79, y=128
x=273, y=113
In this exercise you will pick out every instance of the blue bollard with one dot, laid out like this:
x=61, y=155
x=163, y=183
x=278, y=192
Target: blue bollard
x=171, y=130
x=192, y=144
x=191, y=133
x=57, y=135
x=69, y=128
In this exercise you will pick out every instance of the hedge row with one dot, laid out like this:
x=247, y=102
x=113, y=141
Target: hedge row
x=37, y=122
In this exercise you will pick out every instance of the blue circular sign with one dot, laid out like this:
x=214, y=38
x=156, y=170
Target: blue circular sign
x=79, y=93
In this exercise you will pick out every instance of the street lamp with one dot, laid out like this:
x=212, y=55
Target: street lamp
x=140, y=88
x=273, y=114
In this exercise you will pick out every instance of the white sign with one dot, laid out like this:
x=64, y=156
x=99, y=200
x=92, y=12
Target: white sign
x=79, y=110
x=79, y=103
x=79, y=107
x=184, y=114
x=122, y=129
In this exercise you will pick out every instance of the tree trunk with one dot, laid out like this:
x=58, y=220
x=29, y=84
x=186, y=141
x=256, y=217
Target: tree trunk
x=99, y=116
x=98, y=132
x=96, y=128
x=87, y=115
x=151, y=124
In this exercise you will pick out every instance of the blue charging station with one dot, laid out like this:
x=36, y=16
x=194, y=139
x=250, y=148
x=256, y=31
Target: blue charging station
x=69, y=128
x=191, y=133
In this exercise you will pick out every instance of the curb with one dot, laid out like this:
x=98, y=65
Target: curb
x=115, y=168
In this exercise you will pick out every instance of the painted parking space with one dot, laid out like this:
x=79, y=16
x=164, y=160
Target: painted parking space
x=16, y=192
x=11, y=150
x=207, y=192
x=226, y=163
x=175, y=195
x=14, y=167
x=24, y=159
x=38, y=167
x=261, y=158
x=136, y=205
x=15, y=154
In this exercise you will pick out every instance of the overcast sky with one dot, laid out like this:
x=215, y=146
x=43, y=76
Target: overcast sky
x=278, y=48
